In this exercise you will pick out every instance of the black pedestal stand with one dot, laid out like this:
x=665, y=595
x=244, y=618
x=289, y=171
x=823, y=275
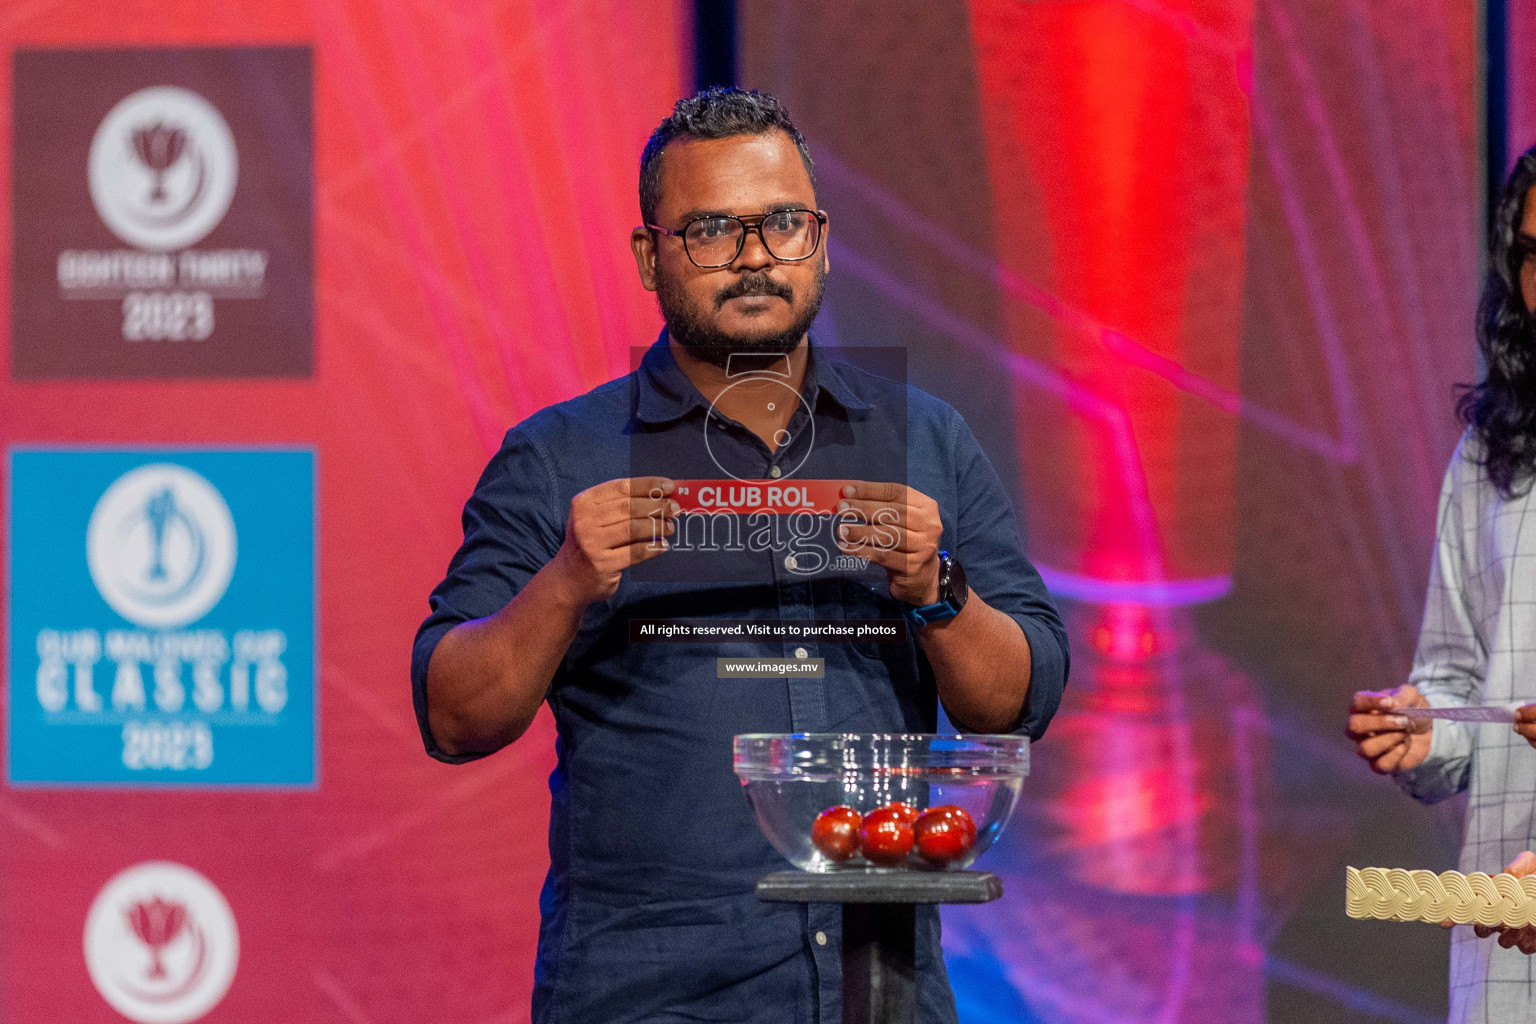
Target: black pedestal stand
x=879, y=922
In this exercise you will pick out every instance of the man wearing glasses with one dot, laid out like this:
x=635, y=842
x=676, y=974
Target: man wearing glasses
x=649, y=912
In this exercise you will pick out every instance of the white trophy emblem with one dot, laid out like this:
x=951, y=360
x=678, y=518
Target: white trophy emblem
x=161, y=546
x=163, y=168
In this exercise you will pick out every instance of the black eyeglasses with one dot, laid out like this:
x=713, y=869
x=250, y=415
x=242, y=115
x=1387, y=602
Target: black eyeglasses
x=716, y=241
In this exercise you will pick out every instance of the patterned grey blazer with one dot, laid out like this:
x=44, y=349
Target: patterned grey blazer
x=1478, y=646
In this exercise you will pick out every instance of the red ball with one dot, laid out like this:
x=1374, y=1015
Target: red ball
x=944, y=834
x=959, y=813
x=903, y=810
x=886, y=836
x=836, y=832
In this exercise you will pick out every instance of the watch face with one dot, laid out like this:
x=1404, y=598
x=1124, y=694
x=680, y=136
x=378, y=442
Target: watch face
x=956, y=590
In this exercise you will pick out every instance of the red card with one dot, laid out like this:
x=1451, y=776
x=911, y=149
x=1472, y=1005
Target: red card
x=747, y=496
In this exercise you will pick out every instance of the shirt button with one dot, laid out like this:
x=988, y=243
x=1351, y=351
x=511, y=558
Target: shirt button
x=775, y=472
x=821, y=938
x=801, y=652
x=790, y=562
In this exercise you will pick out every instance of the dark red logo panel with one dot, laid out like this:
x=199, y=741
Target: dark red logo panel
x=162, y=213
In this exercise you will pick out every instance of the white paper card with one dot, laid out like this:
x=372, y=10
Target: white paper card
x=1478, y=713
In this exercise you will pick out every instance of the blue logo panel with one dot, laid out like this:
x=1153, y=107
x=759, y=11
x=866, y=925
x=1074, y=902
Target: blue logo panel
x=162, y=618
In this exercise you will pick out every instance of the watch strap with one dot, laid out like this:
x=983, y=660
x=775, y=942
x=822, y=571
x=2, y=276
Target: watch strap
x=944, y=608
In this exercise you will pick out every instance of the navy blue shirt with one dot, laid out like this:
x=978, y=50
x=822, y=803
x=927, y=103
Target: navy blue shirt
x=648, y=910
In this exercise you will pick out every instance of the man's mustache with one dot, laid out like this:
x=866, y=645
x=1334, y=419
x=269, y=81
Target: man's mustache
x=754, y=284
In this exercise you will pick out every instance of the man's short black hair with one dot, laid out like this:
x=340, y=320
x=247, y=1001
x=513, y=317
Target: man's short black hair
x=716, y=113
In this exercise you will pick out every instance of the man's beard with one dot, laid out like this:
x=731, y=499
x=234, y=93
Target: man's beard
x=705, y=342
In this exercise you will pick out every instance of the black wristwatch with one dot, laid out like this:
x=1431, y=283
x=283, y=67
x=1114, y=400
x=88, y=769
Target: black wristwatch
x=952, y=594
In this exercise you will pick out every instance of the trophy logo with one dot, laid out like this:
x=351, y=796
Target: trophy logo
x=161, y=944
x=161, y=546
x=157, y=923
x=159, y=147
x=163, y=168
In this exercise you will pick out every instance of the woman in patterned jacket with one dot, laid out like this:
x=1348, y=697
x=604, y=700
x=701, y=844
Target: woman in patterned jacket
x=1478, y=641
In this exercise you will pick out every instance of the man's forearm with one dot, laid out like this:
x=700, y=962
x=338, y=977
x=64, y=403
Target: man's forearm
x=487, y=677
x=981, y=661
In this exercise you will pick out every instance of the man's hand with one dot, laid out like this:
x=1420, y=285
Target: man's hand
x=898, y=529
x=981, y=658
x=611, y=527
x=488, y=676
x=1391, y=743
x=1510, y=938
x=1525, y=723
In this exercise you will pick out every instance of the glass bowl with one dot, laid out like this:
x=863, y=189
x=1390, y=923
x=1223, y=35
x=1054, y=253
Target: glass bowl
x=792, y=778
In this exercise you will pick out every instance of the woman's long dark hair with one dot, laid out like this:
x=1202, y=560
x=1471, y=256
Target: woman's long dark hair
x=1502, y=406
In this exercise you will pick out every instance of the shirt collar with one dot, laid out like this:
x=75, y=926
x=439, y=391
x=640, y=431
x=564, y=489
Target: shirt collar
x=667, y=394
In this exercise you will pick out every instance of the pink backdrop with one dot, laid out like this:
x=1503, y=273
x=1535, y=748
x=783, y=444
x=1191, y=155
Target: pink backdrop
x=474, y=189
x=1274, y=315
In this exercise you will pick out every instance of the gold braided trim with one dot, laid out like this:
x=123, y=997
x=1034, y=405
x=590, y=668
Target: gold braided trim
x=1392, y=894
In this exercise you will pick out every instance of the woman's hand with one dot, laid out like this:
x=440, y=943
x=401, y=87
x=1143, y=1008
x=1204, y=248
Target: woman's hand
x=1525, y=723
x=1523, y=939
x=1392, y=743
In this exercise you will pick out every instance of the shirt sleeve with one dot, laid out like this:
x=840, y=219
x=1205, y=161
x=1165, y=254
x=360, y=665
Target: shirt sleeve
x=988, y=546
x=1449, y=665
x=511, y=530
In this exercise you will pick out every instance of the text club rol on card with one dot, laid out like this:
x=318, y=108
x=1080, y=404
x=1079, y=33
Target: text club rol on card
x=162, y=617
x=162, y=213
